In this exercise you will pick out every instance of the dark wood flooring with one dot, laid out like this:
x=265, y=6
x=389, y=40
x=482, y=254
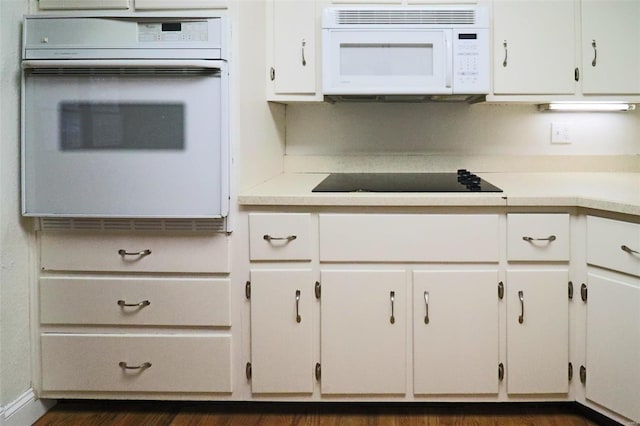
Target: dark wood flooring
x=71, y=412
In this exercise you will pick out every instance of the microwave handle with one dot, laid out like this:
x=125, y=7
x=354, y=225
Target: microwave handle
x=123, y=63
x=448, y=61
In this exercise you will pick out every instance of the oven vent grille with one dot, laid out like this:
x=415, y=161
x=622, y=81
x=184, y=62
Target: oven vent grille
x=406, y=17
x=88, y=224
x=119, y=71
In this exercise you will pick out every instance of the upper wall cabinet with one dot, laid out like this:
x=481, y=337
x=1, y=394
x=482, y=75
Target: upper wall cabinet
x=610, y=47
x=83, y=4
x=126, y=4
x=534, y=45
x=293, y=50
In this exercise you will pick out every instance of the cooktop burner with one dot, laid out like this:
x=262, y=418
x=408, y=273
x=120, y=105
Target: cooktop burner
x=462, y=181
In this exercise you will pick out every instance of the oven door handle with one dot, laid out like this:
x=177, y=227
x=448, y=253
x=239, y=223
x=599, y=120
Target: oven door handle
x=123, y=63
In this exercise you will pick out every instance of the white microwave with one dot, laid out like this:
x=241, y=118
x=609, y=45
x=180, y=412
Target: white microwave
x=388, y=52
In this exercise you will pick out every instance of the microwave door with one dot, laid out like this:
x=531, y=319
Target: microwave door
x=136, y=144
x=387, y=62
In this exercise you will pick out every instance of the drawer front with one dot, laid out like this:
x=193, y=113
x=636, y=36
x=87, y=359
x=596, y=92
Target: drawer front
x=280, y=236
x=613, y=244
x=134, y=252
x=408, y=238
x=74, y=362
x=538, y=237
x=158, y=301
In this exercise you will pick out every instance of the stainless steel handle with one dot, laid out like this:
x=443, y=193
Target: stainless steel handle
x=287, y=238
x=298, y=317
x=304, y=61
x=392, y=296
x=521, y=297
x=142, y=366
x=123, y=252
x=133, y=305
x=506, y=53
x=426, y=307
x=549, y=238
x=628, y=250
x=595, y=53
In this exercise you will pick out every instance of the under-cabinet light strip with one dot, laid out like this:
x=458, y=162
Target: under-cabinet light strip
x=587, y=106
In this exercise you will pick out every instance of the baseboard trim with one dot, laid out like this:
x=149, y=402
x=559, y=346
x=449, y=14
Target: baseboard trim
x=25, y=410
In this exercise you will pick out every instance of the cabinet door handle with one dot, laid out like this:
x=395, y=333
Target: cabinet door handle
x=268, y=237
x=304, y=61
x=549, y=238
x=142, y=304
x=521, y=297
x=506, y=53
x=426, y=307
x=142, y=366
x=141, y=253
x=628, y=250
x=595, y=53
x=392, y=296
x=298, y=317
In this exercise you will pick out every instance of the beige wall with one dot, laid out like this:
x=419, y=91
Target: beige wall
x=15, y=239
x=454, y=129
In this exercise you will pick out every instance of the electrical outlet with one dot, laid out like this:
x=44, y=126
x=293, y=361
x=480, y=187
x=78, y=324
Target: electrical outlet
x=561, y=132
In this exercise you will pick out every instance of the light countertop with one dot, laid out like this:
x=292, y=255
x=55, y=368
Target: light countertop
x=615, y=192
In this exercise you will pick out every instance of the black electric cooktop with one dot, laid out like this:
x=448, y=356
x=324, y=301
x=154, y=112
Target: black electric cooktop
x=462, y=181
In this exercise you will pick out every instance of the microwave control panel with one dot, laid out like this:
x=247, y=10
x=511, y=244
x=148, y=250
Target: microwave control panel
x=471, y=61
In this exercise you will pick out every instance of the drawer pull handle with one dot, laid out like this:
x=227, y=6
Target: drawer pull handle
x=287, y=238
x=628, y=250
x=142, y=366
x=549, y=238
x=298, y=317
x=392, y=296
x=426, y=307
x=521, y=297
x=142, y=304
x=123, y=252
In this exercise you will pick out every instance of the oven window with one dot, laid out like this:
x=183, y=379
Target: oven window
x=121, y=126
x=386, y=59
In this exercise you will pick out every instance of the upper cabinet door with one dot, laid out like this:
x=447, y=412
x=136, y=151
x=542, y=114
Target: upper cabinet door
x=534, y=45
x=293, y=68
x=611, y=47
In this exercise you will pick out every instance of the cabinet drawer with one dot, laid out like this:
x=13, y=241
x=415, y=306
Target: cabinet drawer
x=543, y=237
x=408, y=238
x=134, y=252
x=75, y=362
x=613, y=244
x=100, y=300
x=280, y=236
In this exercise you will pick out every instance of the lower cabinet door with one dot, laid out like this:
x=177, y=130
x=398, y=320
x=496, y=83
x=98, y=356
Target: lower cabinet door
x=135, y=363
x=613, y=344
x=537, y=331
x=282, y=331
x=363, y=332
x=455, y=332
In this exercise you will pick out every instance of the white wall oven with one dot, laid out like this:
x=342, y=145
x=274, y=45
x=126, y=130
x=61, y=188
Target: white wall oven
x=125, y=117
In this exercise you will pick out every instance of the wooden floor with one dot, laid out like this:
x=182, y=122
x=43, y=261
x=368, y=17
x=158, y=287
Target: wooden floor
x=69, y=413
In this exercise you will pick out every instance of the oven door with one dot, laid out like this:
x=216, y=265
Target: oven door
x=387, y=62
x=109, y=139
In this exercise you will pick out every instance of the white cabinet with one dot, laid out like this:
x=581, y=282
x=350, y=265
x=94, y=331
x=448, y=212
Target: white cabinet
x=534, y=45
x=282, y=331
x=83, y=4
x=455, y=332
x=292, y=50
x=363, y=332
x=107, y=299
x=537, y=331
x=179, y=4
x=613, y=344
x=610, y=47
x=613, y=315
